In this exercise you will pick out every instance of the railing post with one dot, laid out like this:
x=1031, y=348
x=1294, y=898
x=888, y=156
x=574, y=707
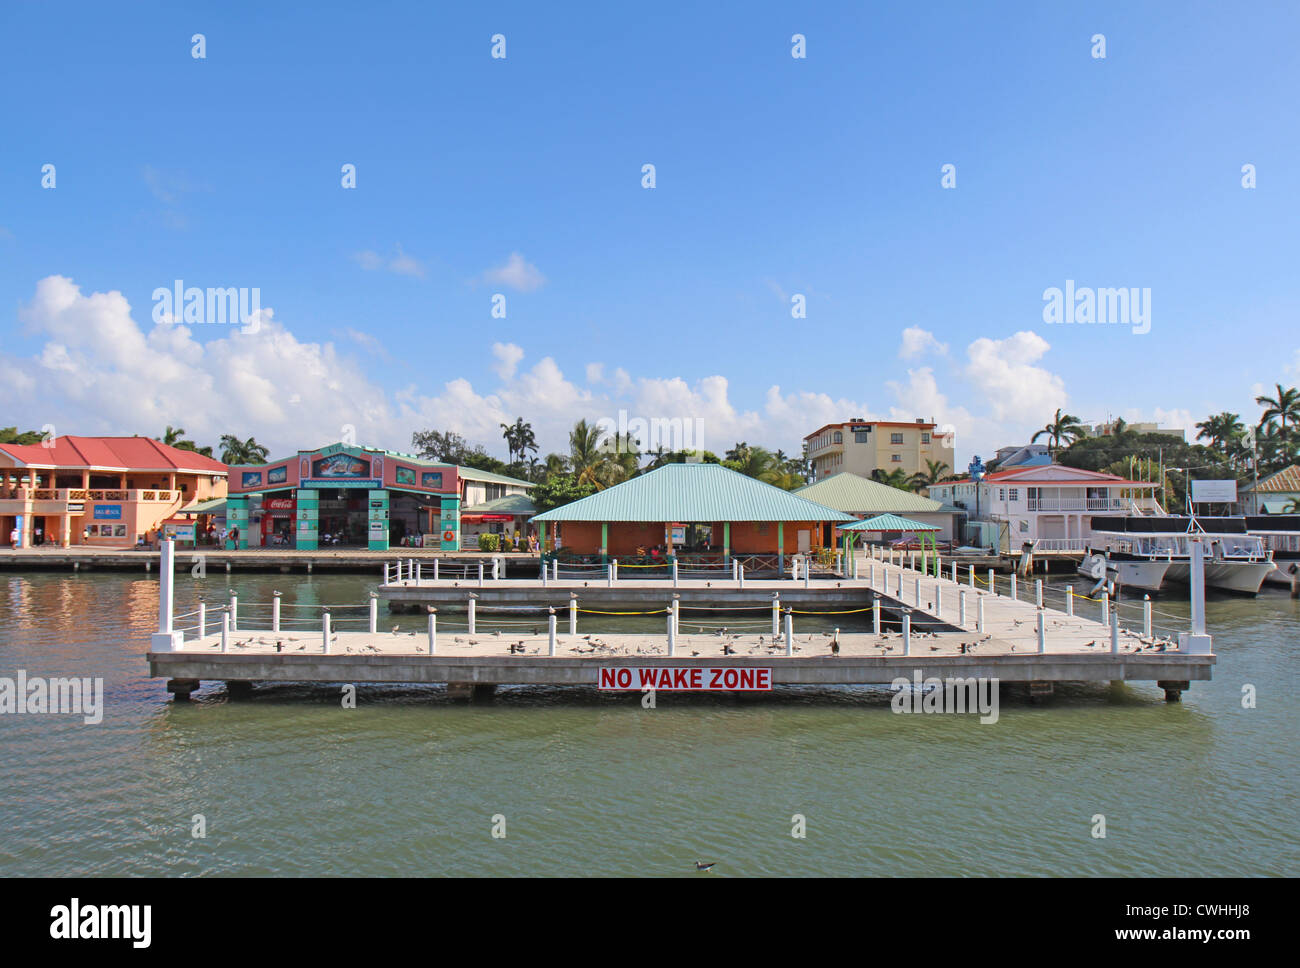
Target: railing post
x=916, y=592
x=550, y=630
x=419, y=572
x=555, y=569
x=900, y=583
x=374, y=613
x=573, y=614
x=385, y=573
x=672, y=632
x=225, y=631
x=275, y=611
x=776, y=614
x=433, y=630
x=470, y=611
x=1069, y=599
x=979, y=614
x=325, y=630
x=203, y=617
x=1042, y=632
x=871, y=580
x=674, y=572
x=789, y=631
x=610, y=571
x=993, y=589
x=234, y=611
x=435, y=569
x=544, y=571
x=740, y=575
x=875, y=615
x=1038, y=591
x=961, y=608
x=807, y=571
x=1015, y=590
x=1114, y=632
x=1105, y=608
x=972, y=575
x=496, y=568
x=907, y=631
x=954, y=572
x=480, y=573
x=677, y=612
x=938, y=600
x=1146, y=616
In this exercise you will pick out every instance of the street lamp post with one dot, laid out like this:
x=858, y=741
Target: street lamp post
x=976, y=471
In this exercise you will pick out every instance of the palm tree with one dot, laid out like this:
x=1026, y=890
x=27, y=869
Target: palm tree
x=1285, y=409
x=519, y=438
x=557, y=465
x=753, y=461
x=1065, y=428
x=173, y=436
x=585, y=455
x=236, y=451
x=933, y=473
x=896, y=478
x=1220, y=430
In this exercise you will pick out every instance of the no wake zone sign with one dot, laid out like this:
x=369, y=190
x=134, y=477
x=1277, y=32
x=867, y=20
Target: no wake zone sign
x=685, y=679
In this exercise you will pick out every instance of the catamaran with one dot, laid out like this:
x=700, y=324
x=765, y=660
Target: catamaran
x=1281, y=535
x=1148, y=551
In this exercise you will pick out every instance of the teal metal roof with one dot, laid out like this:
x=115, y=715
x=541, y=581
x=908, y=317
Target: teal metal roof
x=693, y=493
x=510, y=504
x=1275, y=506
x=888, y=522
x=212, y=506
x=859, y=495
x=474, y=474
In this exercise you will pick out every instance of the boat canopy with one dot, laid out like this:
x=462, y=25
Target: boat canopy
x=1273, y=523
x=1157, y=526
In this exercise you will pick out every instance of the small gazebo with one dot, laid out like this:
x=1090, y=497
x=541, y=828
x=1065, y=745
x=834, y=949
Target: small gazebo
x=892, y=522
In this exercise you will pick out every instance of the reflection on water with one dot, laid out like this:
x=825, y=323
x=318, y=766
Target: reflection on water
x=289, y=782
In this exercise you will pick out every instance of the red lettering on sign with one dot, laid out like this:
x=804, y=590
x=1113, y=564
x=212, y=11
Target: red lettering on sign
x=647, y=678
x=679, y=679
x=729, y=678
x=624, y=678
x=607, y=679
x=697, y=680
x=764, y=679
x=713, y=683
x=746, y=678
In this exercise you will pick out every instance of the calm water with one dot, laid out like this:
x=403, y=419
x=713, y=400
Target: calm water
x=408, y=783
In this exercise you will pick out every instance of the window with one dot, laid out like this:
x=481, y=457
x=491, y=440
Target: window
x=861, y=437
x=1015, y=494
x=1002, y=493
x=896, y=458
x=839, y=437
x=895, y=438
x=925, y=438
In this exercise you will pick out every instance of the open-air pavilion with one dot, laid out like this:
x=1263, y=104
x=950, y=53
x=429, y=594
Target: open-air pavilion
x=693, y=512
x=883, y=525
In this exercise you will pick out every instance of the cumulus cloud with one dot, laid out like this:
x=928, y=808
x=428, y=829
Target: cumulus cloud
x=516, y=274
x=508, y=356
x=918, y=341
x=1003, y=370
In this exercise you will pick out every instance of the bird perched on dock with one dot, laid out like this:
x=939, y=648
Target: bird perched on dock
x=701, y=866
x=835, y=644
x=727, y=649
x=695, y=653
x=395, y=628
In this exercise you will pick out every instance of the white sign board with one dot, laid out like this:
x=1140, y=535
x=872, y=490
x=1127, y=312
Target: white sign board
x=1214, y=492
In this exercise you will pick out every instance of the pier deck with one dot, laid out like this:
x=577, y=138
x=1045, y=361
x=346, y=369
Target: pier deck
x=1074, y=647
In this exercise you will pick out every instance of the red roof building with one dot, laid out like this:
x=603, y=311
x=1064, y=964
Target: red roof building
x=103, y=491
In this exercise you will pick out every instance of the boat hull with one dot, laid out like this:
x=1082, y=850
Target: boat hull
x=1240, y=577
x=1144, y=574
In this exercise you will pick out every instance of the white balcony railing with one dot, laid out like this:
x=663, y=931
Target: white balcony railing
x=1061, y=544
x=1078, y=504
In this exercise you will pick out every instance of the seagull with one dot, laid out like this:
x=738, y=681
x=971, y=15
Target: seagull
x=701, y=866
x=835, y=645
x=694, y=653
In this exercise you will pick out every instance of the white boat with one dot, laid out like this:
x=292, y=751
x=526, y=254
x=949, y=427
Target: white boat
x=1281, y=535
x=1146, y=552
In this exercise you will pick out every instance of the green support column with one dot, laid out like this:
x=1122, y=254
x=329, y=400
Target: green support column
x=604, y=541
x=449, y=522
x=308, y=522
x=780, y=548
x=237, y=517
x=726, y=541
x=377, y=521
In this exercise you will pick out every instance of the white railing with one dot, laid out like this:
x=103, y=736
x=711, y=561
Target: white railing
x=1061, y=544
x=1078, y=504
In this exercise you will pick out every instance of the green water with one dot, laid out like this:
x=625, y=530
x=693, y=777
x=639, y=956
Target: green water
x=408, y=783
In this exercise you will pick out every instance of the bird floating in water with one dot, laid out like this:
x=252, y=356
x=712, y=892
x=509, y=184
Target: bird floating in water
x=701, y=866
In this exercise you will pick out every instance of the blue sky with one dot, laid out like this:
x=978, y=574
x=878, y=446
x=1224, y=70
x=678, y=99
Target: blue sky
x=774, y=176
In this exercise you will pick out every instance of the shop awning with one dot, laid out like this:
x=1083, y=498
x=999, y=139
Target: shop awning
x=214, y=506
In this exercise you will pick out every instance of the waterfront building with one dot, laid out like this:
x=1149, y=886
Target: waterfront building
x=863, y=498
x=358, y=496
x=1108, y=428
x=101, y=491
x=1051, y=506
x=1273, y=494
x=704, y=510
x=863, y=446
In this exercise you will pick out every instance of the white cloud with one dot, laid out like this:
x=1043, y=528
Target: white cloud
x=508, y=356
x=1013, y=387
x=918, y=341
x=595, y=372
x=400, y=264
x=516, y=274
